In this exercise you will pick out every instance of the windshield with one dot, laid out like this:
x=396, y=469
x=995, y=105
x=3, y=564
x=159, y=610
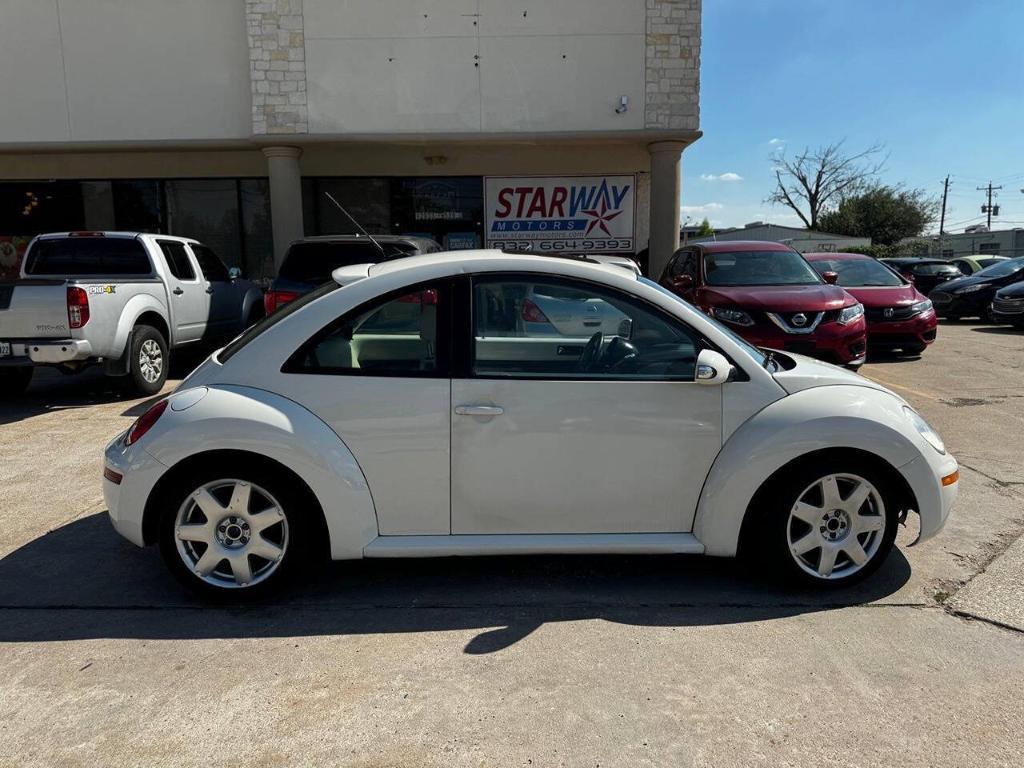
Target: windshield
x=1002, y=269
x=858, y=273
x=314, y=262
x=749, y=348
x=758, y=268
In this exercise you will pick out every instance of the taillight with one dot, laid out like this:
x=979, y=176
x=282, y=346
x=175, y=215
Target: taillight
x=274, y=300
x=78, y=307
x=532, y=314
x=145, y=422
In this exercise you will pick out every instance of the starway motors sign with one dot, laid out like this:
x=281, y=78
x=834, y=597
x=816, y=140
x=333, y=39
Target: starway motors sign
x=576, y=214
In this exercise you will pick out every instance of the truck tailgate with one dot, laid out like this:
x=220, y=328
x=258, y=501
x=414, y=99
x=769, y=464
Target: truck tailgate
x=33, y=309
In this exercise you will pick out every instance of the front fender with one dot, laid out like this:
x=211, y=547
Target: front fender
x=260, y=422
x=130, y=313
x=811, y=420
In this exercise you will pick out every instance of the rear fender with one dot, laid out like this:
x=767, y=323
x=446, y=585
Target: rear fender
x=130, y=314
x=816, y=419
x=255, y=421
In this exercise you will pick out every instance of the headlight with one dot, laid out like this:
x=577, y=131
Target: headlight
x=734, y=316
x=972, y=288
x=849, y=314
x=921, y=306
x=925, y=430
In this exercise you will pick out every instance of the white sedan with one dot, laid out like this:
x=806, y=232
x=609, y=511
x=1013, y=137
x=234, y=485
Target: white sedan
x=376, y=417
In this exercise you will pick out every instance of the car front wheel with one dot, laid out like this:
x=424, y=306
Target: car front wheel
x=830, y=527
x=232, y=533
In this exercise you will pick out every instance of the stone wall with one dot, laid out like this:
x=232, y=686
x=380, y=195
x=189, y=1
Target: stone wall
x=673, y=65
x=277, y=66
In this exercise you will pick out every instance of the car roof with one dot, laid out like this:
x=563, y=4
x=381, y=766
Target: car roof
x=112, y=234
x=413, y=239
x=914, y=260
x=486, y=260
x=841, y=256
x=743, y=245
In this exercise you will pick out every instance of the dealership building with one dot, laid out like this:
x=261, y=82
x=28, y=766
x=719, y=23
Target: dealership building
x=549, y=125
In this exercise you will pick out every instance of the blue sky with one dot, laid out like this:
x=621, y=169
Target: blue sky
x=939, y=82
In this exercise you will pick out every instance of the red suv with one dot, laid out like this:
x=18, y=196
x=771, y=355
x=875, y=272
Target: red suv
x=772, y=297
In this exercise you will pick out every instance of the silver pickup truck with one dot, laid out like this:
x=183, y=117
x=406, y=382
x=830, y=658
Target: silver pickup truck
x=121, y=299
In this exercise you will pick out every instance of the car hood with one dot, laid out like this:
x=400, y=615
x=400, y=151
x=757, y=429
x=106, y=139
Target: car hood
x=1012, y=291
x=962, y=282
x=885, y=296
x=809, y=373
x=782, y=298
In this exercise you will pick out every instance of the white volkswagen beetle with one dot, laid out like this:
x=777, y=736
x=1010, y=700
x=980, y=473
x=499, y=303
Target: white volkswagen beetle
x=404, y=410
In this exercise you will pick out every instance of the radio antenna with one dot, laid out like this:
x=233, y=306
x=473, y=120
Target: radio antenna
x=358, y=226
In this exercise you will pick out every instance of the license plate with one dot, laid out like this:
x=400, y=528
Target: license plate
x=5, y=349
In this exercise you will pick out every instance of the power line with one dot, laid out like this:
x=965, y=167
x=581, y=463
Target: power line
x=989, y=208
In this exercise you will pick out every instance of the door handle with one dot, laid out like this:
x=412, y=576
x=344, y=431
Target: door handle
x=178, y=291
x=479, y=410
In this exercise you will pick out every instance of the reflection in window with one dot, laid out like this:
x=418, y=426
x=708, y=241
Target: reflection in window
x=560, y=329
x=259, y=241
x=396, y=337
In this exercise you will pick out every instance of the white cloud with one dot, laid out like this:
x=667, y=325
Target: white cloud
x=700, y=210
x=776, y=142
x=728, y=176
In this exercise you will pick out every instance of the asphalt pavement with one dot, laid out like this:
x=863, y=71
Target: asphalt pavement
x=584, y=661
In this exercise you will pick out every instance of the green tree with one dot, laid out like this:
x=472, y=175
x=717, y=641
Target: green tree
x=886, y=214
x=706, y=230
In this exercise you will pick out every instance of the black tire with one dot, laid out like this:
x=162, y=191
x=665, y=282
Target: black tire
x=14, y=381
x=768, y=540
x=914, y=349
x=294, y=504
x=140, y=379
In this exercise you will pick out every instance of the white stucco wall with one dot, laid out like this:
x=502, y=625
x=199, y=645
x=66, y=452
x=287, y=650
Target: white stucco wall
x=123, y=70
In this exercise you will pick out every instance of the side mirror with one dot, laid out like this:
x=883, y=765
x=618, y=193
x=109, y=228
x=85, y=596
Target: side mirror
x=682, y=282
x=910, y=277
x=713, y=368
x=234, y=273
x=830, y=277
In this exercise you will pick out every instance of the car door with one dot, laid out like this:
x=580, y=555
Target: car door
x=584, y=434
x=379, y=377
x=189, y=301
x=225, y=314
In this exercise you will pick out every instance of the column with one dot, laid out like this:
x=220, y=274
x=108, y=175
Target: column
x=285, y=198
x=664, y=233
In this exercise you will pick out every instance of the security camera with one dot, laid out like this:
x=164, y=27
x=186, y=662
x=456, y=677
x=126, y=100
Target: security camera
x=623, y=105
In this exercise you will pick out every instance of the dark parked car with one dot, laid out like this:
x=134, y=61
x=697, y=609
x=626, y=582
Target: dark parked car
x=898, y=315
x=769, y=295
x=972, y=296
x=310, y=262
x=925, y=274
x=1008, y=305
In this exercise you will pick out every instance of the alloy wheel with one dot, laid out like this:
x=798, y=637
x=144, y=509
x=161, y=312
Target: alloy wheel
x=151, y=361
x=836, y=526
x=231, y=533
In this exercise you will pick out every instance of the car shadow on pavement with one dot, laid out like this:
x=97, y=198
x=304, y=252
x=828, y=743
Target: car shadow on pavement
x=82, y=581
x=999, y=330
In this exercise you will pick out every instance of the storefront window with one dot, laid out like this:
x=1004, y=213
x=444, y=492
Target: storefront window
x=258, y=239
x=206, y=209
x=368, y=201
x=447, y=208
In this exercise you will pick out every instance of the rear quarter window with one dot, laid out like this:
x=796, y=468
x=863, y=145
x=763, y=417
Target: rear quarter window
x=92, y=256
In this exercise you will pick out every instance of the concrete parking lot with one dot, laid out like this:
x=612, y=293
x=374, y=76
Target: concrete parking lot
x=531, y=661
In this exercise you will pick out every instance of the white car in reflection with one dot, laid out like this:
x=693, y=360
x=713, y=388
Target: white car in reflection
x=383, y=415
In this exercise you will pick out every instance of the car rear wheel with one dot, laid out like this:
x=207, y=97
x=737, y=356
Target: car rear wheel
x=829, y=526
x=233, y=533
x=14, y=381
x=148, y=360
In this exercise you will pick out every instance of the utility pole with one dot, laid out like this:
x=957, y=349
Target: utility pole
x=989, y=209
x=942, y=218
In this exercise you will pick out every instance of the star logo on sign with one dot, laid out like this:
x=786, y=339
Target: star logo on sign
x=600, y=219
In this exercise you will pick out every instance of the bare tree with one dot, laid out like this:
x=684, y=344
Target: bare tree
x=820, y=179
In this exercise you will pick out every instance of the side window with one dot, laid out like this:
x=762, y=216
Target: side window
x=212, y=267
x=547, y=328
x=177, y=260
x=394, y=337
x=685, y=264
